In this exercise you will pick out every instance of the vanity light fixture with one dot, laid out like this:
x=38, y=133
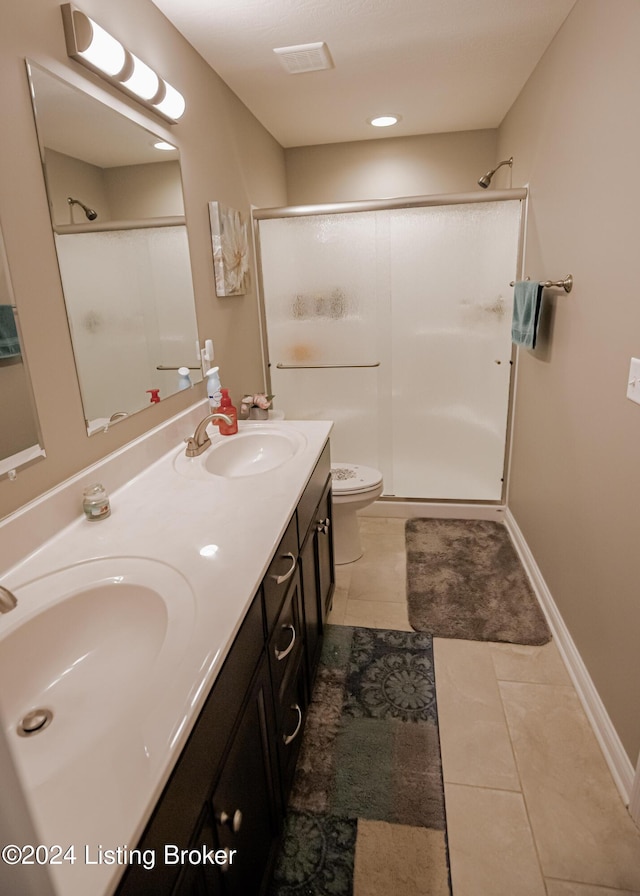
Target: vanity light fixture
x=92, y=46
x=384, y=121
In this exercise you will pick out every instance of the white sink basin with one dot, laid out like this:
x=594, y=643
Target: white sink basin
x=251, y=452
x=87, y=643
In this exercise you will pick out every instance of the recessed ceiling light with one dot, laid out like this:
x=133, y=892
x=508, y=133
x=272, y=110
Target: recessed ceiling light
x=384, y=121
x=161, y=144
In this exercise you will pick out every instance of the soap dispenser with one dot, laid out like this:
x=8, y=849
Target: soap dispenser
x=184, y=380
x=227, y=429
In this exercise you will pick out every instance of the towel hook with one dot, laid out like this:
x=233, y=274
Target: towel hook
x=566, y=284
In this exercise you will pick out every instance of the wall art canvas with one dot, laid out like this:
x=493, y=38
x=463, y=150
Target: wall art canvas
x=230, y=250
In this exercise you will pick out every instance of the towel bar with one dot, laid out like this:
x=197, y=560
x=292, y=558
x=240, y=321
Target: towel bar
x=566, y=284
x=281, y=366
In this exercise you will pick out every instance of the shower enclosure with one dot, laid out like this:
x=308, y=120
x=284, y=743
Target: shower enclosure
x=395, y=323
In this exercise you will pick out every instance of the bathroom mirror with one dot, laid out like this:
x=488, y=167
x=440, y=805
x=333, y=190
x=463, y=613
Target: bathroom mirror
x=117, y=214
x=20, y=439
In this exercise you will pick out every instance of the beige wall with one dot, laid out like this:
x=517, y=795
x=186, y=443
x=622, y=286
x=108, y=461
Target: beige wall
x=226, y=155
x=574, y=133
x=393, y=166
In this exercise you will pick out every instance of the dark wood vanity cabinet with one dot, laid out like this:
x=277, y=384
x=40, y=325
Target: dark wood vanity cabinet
x=229, y=789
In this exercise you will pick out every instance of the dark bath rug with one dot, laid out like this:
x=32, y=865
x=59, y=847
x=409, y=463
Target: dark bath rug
x=465, y=580
x=370, y=753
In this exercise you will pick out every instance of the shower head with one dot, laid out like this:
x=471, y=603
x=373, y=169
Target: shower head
x=89, y=212
x=485, y=180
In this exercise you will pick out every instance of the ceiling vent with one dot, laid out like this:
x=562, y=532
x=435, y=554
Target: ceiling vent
x=305, y=58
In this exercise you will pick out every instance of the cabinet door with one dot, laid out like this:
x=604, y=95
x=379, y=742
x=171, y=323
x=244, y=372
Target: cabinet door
x=318, y=578
x=245, y=806
x=313, y=619
x=326, y=569
x=200, y=879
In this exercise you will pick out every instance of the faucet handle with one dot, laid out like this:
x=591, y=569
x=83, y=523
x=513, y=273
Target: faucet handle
x=8, y=600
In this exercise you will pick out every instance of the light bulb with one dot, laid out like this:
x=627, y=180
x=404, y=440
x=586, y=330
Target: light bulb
x=384, y=121
x=173, y=103
x=142, y=81
x=96, y=45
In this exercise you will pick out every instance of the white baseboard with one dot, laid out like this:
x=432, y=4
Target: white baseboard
x=434, y=510
x=615, y=755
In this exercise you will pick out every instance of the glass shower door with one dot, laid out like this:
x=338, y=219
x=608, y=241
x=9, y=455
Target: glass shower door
x=396, y=325
x=450, y=268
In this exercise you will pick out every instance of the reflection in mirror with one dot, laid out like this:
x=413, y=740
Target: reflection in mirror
x=118, y=219
x=20, y=440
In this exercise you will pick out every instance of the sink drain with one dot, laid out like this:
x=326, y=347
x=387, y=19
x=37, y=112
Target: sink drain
x=34, y=722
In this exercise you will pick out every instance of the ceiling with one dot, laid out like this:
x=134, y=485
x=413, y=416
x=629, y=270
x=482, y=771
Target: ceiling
x=443, y=65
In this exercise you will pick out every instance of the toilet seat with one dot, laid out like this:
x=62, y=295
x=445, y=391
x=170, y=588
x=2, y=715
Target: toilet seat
x=352, y=479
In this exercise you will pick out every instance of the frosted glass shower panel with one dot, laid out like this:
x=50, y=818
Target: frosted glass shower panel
x=132, y=310
x=321, y=285
x=451, y=347
x=422, y=292
x=347, y=397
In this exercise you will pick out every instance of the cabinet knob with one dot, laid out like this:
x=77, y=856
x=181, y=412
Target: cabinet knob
x=289, y=572
x=281, y=654
x=233, y=822
x=323, y=526
x=287, y=738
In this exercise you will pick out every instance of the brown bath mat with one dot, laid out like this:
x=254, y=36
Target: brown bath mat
x=464, y=580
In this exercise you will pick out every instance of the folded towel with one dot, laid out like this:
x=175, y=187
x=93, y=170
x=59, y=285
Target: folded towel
x=9, y=341
x=527, y=298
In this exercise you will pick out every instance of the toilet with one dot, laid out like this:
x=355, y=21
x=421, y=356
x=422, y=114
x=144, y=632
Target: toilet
x=354, y=487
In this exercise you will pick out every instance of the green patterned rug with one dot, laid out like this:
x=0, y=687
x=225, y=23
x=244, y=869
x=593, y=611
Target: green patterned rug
x=366, y=812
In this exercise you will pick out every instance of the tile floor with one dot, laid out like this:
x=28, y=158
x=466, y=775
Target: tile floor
x=531, y=807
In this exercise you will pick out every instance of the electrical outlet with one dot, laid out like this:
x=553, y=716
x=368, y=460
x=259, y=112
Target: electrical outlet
x=633, y=385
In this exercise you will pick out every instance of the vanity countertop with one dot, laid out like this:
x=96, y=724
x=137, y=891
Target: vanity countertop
x=219, y=535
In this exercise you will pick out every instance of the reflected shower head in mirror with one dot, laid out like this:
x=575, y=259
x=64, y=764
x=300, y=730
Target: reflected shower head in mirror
x=89, y=212
x=485, y=180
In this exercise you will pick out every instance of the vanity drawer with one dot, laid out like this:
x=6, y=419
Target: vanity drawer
x=291, y=728
x=286, y=644
x=280, y=572
x=313, y=492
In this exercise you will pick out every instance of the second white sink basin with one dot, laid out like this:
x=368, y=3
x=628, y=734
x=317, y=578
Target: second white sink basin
x=252, y=451
x=86, y=645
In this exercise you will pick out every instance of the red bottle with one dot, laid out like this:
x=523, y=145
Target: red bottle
x=227, y=429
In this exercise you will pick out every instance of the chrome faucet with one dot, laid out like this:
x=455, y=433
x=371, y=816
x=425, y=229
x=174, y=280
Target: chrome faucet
x=8, y=600
x=200, y=441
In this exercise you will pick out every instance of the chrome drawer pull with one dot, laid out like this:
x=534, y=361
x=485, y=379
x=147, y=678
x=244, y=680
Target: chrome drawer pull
x=281, y=654
x=287, y=738
x=234, y=822
x=289, y=572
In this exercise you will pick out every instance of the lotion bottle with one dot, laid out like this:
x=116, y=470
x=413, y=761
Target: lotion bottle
x=213, y=388
x=227, y=408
